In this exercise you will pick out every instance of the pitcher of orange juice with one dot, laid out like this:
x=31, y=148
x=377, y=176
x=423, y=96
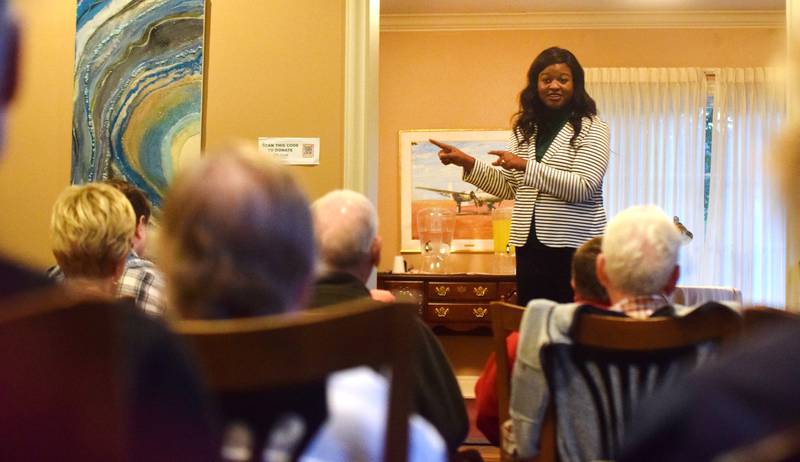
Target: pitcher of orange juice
x=504, y=253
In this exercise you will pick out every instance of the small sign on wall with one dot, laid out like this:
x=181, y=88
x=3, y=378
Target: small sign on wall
x=291, y=151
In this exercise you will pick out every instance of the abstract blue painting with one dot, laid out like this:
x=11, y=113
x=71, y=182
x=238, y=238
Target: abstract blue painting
x=137, y=109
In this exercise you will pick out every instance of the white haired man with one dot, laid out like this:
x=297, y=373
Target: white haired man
x=638, y=266
x=349, y=249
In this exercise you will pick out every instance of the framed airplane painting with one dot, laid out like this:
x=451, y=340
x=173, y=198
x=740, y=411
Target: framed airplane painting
x=425, y=182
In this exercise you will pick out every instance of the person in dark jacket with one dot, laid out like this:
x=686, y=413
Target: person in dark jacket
x=166, y=416
x=349, y=249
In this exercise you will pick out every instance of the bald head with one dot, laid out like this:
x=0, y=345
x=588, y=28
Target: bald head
x=237, y=238
x=345, y=225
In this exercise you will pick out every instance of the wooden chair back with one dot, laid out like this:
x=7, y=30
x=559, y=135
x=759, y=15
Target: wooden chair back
x=760, y=317
x=296, y=348
x=615, y=362
x=710, y=322
x=60, y=391
x=506, y=318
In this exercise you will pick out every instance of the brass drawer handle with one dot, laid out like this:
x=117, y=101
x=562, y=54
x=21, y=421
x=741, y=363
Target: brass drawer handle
x=406, y=291
x=441, y=290
x=479, y=312
x=480, y=291
x=441, y=311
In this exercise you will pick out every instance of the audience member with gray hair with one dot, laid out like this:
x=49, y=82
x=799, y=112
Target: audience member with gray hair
x=639, y=262
x=350, y=243
x=237, y=241
x=638, y=268
x=237, y=238
x=345, y=226
x=349, y=249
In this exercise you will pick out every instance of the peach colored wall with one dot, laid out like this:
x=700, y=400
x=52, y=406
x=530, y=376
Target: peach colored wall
x=275, y=68
x=36, y=164
x=471, y=79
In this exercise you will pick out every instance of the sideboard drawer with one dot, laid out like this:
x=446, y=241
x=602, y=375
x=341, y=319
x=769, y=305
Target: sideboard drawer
x=507, y=292
x=453, y=303
x=413, y=289
x=458, y=291
x=458, y=312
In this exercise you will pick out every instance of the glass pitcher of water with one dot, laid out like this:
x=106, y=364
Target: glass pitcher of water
x=435, y=226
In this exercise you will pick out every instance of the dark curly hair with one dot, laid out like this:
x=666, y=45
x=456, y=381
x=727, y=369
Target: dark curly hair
x=532, y=110
x=141, y=206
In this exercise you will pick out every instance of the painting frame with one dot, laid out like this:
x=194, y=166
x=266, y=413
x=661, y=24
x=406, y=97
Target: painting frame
x=139, y=92
x=411, y=160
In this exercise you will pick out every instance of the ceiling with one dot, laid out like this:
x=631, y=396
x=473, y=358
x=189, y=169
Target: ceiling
x=531, y=6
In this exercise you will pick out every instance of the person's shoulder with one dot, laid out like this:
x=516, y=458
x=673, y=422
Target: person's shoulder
x=543, y=305
x=142, y=332
x=543, y=315
x=683, y=310
x=137, y=269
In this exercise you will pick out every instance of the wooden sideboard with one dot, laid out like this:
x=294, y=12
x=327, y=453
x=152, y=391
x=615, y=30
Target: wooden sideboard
x=453, y=302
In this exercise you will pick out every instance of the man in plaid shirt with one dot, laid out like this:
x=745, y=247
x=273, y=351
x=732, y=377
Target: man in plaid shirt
x=141, y=280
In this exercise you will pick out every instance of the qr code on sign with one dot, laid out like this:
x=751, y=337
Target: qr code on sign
x=308, y=150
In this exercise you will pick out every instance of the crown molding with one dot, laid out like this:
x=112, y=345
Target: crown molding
x=762, y=19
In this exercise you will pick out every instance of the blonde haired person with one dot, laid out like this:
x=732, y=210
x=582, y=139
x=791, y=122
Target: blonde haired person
x=140, y=280
x=92, y=228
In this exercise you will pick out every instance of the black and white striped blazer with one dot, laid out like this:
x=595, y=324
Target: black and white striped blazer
x=566, y=187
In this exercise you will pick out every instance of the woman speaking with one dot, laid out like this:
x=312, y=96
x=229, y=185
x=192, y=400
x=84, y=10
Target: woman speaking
x=553, y=170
